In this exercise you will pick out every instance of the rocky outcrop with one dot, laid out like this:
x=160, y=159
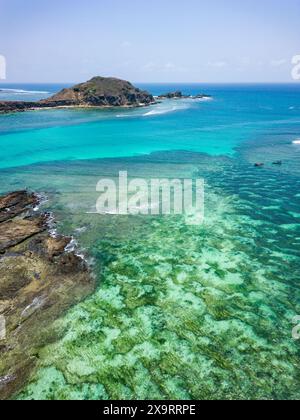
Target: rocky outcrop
x=172, y=95
x=15, y=203
x=7, y=107
x=101, y=91
x=39, y=280
x=97, y=92
x=16, y=231
x=180, y=95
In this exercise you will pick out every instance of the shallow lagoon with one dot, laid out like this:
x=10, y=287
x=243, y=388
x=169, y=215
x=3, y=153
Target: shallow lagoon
x=181, y=311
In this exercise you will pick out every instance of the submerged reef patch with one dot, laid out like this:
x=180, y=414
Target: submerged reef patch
x=183, y=312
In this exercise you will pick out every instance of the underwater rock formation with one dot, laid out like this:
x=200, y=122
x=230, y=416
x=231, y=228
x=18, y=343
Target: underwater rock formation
x=39, y=281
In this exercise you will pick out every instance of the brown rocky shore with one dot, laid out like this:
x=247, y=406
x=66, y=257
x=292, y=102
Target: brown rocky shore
x=39, y=280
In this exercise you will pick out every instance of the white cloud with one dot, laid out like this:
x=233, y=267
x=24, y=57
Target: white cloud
x=150, y=66
x=245, y=61
x=278, y=63
x=168, y=67
x=218, y=64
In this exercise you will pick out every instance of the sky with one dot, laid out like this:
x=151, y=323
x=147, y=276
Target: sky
x=205, y=41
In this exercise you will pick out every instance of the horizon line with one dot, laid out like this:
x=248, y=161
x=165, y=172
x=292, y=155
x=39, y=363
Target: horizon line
x=292, y=82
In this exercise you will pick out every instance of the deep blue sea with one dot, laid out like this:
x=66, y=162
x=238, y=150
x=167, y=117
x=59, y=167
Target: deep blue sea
x=180, y=312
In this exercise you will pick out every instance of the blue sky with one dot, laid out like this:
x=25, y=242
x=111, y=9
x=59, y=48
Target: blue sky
x=150, y=41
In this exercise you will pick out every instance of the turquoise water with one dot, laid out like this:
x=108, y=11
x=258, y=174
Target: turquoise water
x=215, y=127
x=192, y=312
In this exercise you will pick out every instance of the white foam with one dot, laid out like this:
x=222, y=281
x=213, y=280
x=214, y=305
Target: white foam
x=42, y=199
x=297, y=141
x=124, y=116
x=81, y=230
x=166, y=110
x=205, y=99
x=72, y=245
x=23, y=92
x=157, y=110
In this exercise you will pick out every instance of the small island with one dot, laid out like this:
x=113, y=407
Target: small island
x=99, y=92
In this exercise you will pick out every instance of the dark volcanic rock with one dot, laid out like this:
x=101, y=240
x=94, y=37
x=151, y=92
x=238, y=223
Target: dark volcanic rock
x=39, y=280
x=97, y=92
x=171, y=95
x=15, y=106
x=180, y=95
x=16, y=231
x=7, y=107
x=15, y=203
x=201, y=96
x=101, y=91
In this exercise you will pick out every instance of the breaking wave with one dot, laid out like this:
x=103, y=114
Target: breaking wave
x=166, y=109
x=23, y=92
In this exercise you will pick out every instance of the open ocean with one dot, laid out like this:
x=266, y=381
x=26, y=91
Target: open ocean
x=180, y=312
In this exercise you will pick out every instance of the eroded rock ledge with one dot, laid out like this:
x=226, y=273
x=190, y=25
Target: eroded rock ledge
x=39, y=280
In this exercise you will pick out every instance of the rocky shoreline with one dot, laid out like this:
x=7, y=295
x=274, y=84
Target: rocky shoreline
x=39, y=280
